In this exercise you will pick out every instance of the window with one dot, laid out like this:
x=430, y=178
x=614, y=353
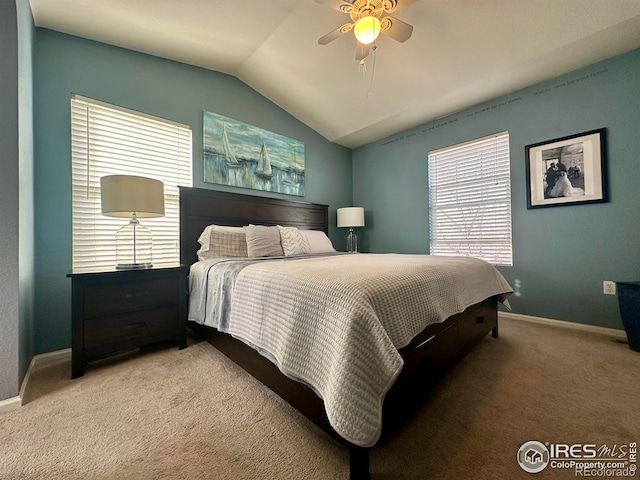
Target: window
x=108, y=140
x=470, y=200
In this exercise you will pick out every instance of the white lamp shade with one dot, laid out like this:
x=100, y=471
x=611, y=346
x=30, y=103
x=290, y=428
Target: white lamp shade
x=124, y=195
x=351, y=217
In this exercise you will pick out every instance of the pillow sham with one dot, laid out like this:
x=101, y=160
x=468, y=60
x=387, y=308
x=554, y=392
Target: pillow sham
x=293, y=241
x=318, y=241
x=263, y=241
x=221, y=241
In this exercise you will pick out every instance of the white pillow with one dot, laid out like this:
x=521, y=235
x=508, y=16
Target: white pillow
x=221, y=241
x=293, y=241
x=263, y=241
x=318, y=241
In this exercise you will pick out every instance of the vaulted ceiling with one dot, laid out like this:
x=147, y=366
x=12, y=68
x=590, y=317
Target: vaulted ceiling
x=462, y=52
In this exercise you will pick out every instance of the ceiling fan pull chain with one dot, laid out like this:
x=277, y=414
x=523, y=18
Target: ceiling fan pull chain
x=373, y=70
x=362, y=68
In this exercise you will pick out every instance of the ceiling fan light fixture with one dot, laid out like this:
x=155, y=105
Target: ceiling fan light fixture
x=367, y=29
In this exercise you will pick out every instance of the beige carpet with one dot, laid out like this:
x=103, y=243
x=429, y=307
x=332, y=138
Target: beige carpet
x=192, y=414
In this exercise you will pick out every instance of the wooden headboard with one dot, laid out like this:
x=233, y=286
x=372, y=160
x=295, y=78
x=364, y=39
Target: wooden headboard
x=200, y=207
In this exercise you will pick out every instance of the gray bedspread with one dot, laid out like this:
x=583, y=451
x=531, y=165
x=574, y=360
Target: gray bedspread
x=336, y=322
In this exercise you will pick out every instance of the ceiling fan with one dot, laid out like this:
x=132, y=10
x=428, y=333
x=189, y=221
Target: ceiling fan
x=368, y=20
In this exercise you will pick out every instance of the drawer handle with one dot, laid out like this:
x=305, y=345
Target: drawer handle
x=136, y=295
x=130, y=331
x=479, y=319
x=135, y=326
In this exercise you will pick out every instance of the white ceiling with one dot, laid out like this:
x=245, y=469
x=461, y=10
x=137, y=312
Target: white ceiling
x=462, y=52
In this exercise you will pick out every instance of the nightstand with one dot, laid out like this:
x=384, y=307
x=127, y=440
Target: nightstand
x=117, y=310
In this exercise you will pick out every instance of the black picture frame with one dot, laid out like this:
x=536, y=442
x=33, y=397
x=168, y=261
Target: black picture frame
x=569, y=170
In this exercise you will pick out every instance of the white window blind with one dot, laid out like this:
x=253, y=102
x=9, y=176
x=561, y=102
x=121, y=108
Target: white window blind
x=109, y=140
x=470, y=200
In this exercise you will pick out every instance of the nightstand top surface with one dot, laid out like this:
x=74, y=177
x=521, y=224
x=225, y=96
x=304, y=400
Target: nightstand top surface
x=130, y=271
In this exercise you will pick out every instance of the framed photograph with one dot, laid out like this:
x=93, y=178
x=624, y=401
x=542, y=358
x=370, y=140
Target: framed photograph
x=567, y=171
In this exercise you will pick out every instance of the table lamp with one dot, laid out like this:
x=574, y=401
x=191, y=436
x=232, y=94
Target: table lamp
x=129, y=196
x=351, y=217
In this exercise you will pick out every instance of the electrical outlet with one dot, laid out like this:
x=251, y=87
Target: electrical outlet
x=609, y=287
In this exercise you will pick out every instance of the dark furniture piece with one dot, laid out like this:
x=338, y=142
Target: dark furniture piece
x=629, y=303
x=117, y=310
x=427, y=358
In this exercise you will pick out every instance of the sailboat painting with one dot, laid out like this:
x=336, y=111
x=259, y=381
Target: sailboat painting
x=242, y=155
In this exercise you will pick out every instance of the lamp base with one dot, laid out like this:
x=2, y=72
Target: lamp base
x=133, y=246
x=352, y=241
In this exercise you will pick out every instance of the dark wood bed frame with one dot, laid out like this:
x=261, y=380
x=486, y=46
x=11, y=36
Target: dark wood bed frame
x=427, y=358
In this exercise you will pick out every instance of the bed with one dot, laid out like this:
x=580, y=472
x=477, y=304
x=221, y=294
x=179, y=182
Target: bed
x=423, y=359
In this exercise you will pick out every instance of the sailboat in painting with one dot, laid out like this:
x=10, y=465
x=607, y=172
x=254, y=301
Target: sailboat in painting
x=293, y=171
x=232, y=161
x=263, y=170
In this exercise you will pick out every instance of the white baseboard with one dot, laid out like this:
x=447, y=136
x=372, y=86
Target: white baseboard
x=10, y=404
x=617, y=334
x=37, y=362
x=51, y=358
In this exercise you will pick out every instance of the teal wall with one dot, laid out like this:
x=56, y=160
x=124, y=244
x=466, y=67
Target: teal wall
x=16, y=194
x=64, y=65
x=561, y=254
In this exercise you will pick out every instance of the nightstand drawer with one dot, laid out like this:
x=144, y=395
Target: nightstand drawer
x=118, y=332
x=123, y=296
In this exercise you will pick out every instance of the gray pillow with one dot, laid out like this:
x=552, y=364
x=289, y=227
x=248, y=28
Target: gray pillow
x=318, y=241
x=263, y=241
x=218, y=241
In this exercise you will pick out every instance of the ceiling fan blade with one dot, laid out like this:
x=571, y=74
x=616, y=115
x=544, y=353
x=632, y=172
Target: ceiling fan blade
x=393, y=5
x=396, y=29
x=341, y=5
x=362, y=50
x=331, y=36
